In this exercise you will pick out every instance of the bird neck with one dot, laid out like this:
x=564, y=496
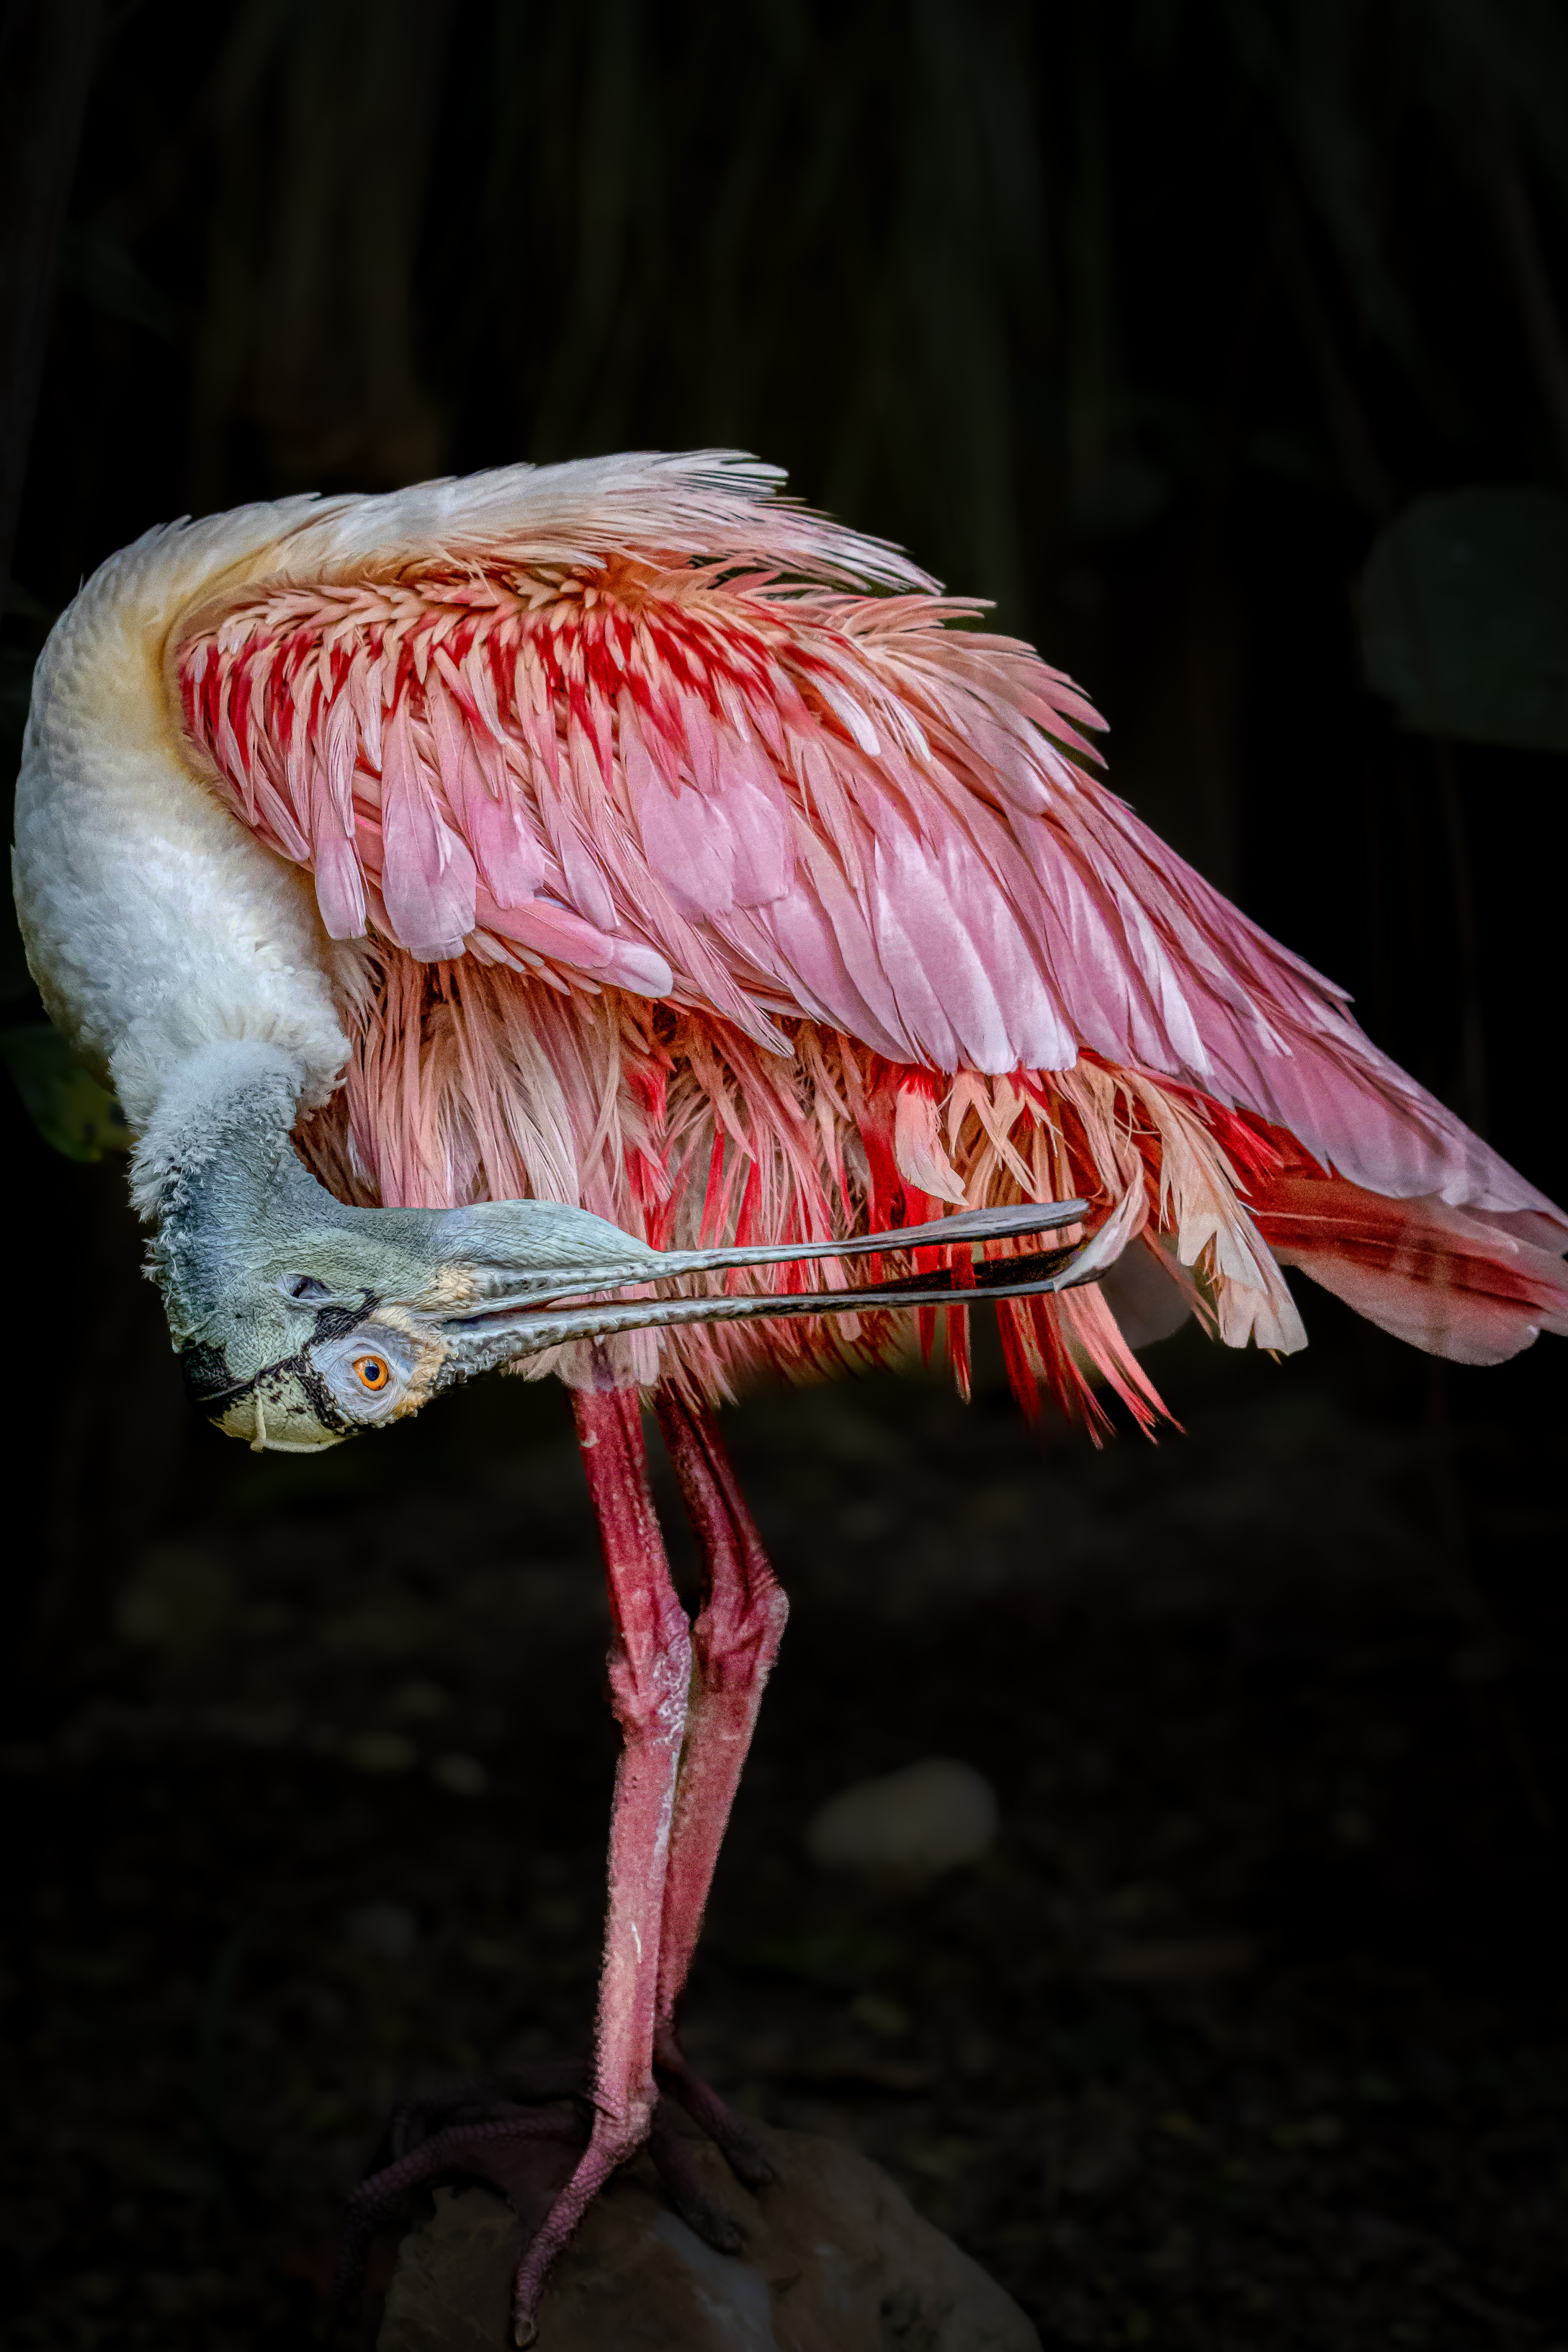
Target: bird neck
x=215, y=1171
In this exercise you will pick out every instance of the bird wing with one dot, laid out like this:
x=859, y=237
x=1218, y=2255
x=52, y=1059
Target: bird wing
x=746, y=784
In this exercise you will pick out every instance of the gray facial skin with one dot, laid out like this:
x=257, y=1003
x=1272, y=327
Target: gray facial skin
x=300, y=1321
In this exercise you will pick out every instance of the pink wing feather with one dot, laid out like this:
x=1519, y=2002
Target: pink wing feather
x=756, y=796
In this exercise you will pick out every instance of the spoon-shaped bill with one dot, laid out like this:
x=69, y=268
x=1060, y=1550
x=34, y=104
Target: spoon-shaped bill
x=503, y=1338
x=636, y=1263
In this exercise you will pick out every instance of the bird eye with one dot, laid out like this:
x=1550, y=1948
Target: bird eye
x=372, y=1372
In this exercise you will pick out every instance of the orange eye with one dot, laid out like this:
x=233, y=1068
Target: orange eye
x=374, y=1373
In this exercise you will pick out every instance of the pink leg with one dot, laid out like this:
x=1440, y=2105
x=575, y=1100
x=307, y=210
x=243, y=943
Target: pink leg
x=734, y=1641
x=650, y=1668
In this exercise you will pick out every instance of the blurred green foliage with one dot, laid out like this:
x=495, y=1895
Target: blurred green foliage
x=1465, y=616
x=67, y=1105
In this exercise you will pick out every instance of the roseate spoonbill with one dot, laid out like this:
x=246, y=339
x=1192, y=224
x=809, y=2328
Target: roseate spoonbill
x=567, y=882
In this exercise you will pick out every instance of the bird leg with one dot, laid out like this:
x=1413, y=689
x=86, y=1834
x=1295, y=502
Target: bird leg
x=734, y=1641
x=485, y=2128
x=650, y=1668
x=681, y=1760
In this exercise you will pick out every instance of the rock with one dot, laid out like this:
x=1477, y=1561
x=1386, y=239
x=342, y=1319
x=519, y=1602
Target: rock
x=911, y=1824
x=836, y=2260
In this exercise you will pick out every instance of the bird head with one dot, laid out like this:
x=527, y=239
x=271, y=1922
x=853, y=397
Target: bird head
x=299, y=1320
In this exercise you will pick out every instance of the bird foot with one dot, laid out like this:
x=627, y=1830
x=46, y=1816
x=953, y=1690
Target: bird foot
x=522, y=2131
x=730, y=2133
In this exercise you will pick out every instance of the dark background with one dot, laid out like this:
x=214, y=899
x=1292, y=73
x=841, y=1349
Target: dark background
x=1142, y=317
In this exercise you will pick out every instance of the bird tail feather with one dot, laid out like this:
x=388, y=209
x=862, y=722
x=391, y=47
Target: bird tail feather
x=1461, y=1283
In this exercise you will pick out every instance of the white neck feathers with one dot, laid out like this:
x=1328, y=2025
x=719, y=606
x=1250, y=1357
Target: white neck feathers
x=155, y=924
